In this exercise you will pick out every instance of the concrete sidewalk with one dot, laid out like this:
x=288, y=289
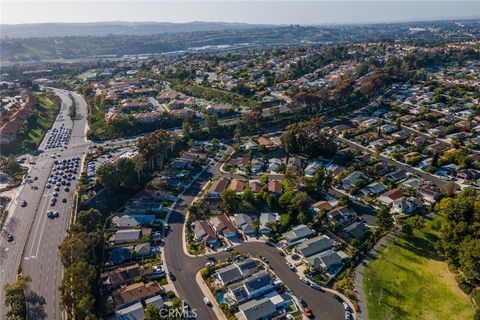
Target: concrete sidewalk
x=359, y=270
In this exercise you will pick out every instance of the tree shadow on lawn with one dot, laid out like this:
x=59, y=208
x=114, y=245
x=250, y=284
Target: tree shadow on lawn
x=424, y=247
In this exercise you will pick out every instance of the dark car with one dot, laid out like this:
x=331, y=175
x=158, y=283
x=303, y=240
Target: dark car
x=23, y=203
x=303, y=303
x=171, y=276
x=64, y=200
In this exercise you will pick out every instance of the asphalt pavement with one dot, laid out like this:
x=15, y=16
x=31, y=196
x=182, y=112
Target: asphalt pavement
x=34, y=252
x=184, y=267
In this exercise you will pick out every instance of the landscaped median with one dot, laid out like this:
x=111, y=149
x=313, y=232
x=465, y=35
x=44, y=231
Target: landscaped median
x=407, y=280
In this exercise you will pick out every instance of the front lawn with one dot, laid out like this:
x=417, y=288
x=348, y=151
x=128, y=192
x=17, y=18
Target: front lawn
x=409, y=281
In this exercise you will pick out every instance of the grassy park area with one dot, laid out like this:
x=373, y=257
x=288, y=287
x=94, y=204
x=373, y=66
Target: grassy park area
x=44, y=113
x=409, y=281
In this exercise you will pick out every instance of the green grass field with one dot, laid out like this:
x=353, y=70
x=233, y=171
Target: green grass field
x=409, y=281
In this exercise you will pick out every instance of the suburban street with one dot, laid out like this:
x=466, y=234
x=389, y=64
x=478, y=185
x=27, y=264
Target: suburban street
x=34, y=252
x=184, y=267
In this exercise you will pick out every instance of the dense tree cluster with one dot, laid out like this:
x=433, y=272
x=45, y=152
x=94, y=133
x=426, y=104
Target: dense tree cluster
x=308, y=138
x=15, y=299
x=460, y=237
x=81, y=254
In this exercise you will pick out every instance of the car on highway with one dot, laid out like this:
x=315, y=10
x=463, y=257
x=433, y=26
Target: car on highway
x=9, y=237
x=207, y=301
x=23, y=203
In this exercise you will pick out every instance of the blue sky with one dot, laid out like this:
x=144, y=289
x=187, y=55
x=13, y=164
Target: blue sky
x=266, y=12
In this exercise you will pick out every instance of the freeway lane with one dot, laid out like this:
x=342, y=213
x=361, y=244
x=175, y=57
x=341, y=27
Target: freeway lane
x=41, y=258
x=184, y=267
x=35, y=234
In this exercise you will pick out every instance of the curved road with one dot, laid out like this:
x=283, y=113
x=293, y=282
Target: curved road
x=184, y=267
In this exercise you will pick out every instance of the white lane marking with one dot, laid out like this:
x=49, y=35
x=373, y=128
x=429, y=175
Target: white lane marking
x=38, y=224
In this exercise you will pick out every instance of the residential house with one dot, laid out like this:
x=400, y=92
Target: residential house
x=120, y=276
x=350, y=181
x=297, y=234
x=252, y=287
x=396, y=176
x=132, y=221
x=275, y=187
x=322, y=205
x=133, y=312
x=255, y=186
x=428, y=194
x=218, y=108
x=236, y=271
x=373, y=189
x=237, y=185
x=312, y=168
x=244, y=223
x=357, y=230
x=265, y=219
x=327, y=261
x=222, y=225
x=259, y=309
x=404, y=205
x=134, y=293
x=126, y=236
x=203, y=232
x=340, y=216
x=295, y=162
x=217, y=187
x=274, y=164
x=390, y=196
x=313, y=246
x=413, y=183
x=267, y=143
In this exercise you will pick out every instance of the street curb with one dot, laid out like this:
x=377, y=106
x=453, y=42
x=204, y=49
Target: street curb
x=206, y=291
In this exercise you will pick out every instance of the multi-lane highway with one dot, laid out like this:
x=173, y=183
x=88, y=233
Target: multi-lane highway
x=185, y=267
x=34, y=251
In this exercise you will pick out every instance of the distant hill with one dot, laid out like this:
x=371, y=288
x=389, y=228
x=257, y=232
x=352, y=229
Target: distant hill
x=116, y=28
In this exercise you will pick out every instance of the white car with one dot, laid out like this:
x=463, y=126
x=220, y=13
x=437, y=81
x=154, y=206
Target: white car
x=228, y=248
x=206, y=301
x=348, y=316
x=346, y=306
x=210, y=264
x=305, y=280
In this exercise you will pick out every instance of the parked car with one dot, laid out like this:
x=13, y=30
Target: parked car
x=207, y=302
x=290, y=266
x=303, y=303
x=346, y=306
x=308, y=313
x=316, y=286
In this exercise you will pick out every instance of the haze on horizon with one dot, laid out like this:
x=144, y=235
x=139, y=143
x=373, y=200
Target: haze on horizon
x=257, y=12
